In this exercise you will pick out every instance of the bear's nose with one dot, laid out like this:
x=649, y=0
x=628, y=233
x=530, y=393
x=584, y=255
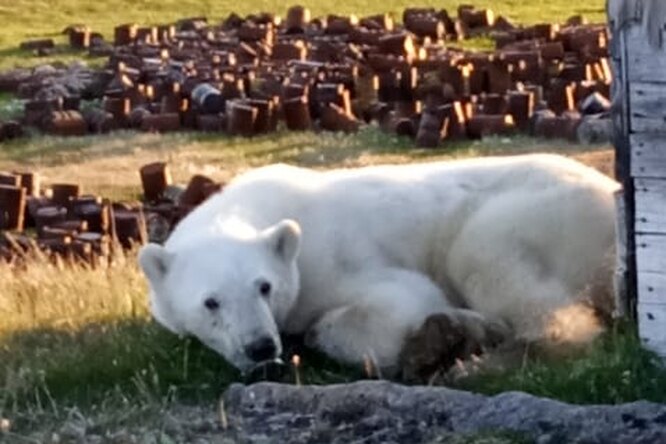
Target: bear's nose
x=262, y=349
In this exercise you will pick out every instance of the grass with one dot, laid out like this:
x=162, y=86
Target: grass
x=120, y=155
x=613, y=370
x=27, y=19
x=83, y=337
x=78, y=342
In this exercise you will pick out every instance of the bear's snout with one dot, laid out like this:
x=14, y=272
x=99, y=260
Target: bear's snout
x=262, y=349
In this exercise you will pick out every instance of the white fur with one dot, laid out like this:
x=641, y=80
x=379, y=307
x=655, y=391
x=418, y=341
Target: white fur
x=381, y=248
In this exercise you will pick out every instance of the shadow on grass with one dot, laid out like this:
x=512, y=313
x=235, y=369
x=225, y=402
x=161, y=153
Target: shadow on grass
x=129, y=359
x=135, y=365
x=134, y=358
x=141, y=360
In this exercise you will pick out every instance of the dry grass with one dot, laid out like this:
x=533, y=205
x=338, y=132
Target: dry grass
x=49, y=294
x=76, y=340
x=109, y=165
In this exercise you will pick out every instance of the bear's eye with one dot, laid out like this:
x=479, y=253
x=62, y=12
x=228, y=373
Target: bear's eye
x=212, y=304
x=265, y=289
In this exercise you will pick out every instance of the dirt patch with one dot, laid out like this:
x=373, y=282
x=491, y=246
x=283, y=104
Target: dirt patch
x=603, y=161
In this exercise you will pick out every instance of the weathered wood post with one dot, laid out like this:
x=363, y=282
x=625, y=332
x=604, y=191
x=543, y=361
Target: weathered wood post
x=638, y=54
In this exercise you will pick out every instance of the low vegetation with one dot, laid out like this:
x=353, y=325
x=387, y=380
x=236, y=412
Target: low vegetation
x=29, y=19
x=82, y=337
x=77, y=343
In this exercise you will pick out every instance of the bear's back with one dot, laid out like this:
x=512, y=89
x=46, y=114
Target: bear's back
x=261, y=195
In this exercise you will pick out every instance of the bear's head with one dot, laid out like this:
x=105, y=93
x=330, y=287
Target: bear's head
x=231, y=290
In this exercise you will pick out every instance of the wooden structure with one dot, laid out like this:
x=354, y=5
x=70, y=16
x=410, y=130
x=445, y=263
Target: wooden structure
x=638, y=53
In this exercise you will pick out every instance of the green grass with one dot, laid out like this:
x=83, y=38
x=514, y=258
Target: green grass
x=26, y=19
x=82, y=339
x=613, y=370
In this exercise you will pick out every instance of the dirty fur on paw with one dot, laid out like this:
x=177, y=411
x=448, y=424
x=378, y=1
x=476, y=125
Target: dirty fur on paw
x=435, y=347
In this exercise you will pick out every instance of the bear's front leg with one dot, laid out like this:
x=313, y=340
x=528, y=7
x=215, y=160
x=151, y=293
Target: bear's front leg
x=386, y=310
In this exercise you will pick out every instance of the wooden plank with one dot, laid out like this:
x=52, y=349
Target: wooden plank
x=652, y=288
x=646, y=63
x=652, y=326
x=619, y=111
x=647, y=110
x=648, y=155
x=650, y=253
x=620, y=98
x=621, y=295
x=650, y=196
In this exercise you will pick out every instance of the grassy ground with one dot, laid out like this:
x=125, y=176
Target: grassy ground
x=84, y=337
x=77, y=345
x=119, y=156
x=25, y=19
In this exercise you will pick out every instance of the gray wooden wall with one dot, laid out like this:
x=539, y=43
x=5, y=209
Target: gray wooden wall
x=639, y=107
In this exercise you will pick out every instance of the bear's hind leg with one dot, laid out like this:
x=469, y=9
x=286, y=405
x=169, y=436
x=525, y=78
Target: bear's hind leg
x=386, y=310
x=445, y=338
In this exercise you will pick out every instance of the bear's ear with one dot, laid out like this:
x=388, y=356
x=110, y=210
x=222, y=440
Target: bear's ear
x=284, y=238
x=154, y=261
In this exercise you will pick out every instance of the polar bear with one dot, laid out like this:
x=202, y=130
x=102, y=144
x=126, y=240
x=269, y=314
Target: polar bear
x=358, y=259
